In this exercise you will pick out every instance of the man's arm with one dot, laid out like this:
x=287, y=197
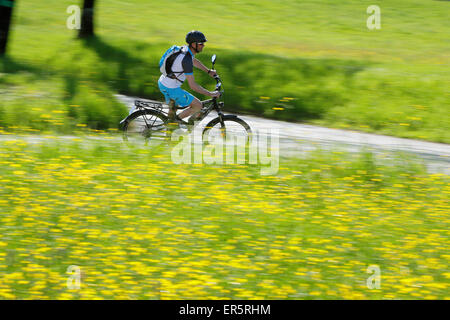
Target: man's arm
x=198, y=64
x=197, y=88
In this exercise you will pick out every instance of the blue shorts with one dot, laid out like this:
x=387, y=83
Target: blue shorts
x=182, y=97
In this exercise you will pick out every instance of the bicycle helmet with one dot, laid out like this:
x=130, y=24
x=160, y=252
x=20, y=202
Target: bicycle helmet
x=195, y=36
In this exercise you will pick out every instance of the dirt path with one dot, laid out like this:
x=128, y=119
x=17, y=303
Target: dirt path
x=296, y=138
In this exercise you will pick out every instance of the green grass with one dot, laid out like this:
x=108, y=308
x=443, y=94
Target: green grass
x=141, y=227
x=309, y=61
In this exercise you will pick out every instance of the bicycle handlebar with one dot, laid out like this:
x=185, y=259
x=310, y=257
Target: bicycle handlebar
x=218, y=83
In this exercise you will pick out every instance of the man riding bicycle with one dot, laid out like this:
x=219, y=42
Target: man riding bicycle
x=182, y=69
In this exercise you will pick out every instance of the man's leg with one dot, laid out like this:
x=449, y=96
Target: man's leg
x=172, y=111
x=195, y=106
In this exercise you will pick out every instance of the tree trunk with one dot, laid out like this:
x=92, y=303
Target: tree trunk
x=6, y=8
x=87, y=20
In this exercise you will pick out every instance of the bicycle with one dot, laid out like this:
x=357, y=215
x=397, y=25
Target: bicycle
x=155, y=120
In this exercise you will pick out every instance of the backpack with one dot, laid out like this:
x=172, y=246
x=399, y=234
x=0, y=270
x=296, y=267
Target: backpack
x=166, y=62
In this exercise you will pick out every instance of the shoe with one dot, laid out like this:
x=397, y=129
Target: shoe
x=180, y=121
x=177, y=122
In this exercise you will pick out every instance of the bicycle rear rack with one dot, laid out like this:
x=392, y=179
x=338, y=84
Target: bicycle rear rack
x=149, y=104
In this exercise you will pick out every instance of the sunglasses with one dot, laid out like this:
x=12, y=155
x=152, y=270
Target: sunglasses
x=201, y=43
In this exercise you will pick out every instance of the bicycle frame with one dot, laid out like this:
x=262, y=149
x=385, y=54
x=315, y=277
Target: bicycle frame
x=207, y=105
x=210, y=104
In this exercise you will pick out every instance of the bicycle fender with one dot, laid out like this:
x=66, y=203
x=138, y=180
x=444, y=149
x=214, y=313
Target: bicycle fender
x=122, y=122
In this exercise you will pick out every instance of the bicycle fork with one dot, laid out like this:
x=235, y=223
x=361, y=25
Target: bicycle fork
x=223, y=130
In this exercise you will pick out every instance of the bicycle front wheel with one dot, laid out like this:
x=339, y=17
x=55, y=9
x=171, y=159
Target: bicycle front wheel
x=143, y=125
x=228, y=127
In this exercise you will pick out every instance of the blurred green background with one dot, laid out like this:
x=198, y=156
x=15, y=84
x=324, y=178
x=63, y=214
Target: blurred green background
x=141, y=227
x=304, y=61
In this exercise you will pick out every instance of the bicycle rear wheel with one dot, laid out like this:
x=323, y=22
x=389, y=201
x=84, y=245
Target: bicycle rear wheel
x=230, y=128
x=145, y=125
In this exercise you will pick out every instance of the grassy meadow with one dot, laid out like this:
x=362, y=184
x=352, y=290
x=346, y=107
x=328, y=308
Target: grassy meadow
x=141, y=227
x=308, y=61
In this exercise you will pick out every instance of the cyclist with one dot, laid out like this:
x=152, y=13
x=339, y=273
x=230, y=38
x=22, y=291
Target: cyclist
x=182, y=69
